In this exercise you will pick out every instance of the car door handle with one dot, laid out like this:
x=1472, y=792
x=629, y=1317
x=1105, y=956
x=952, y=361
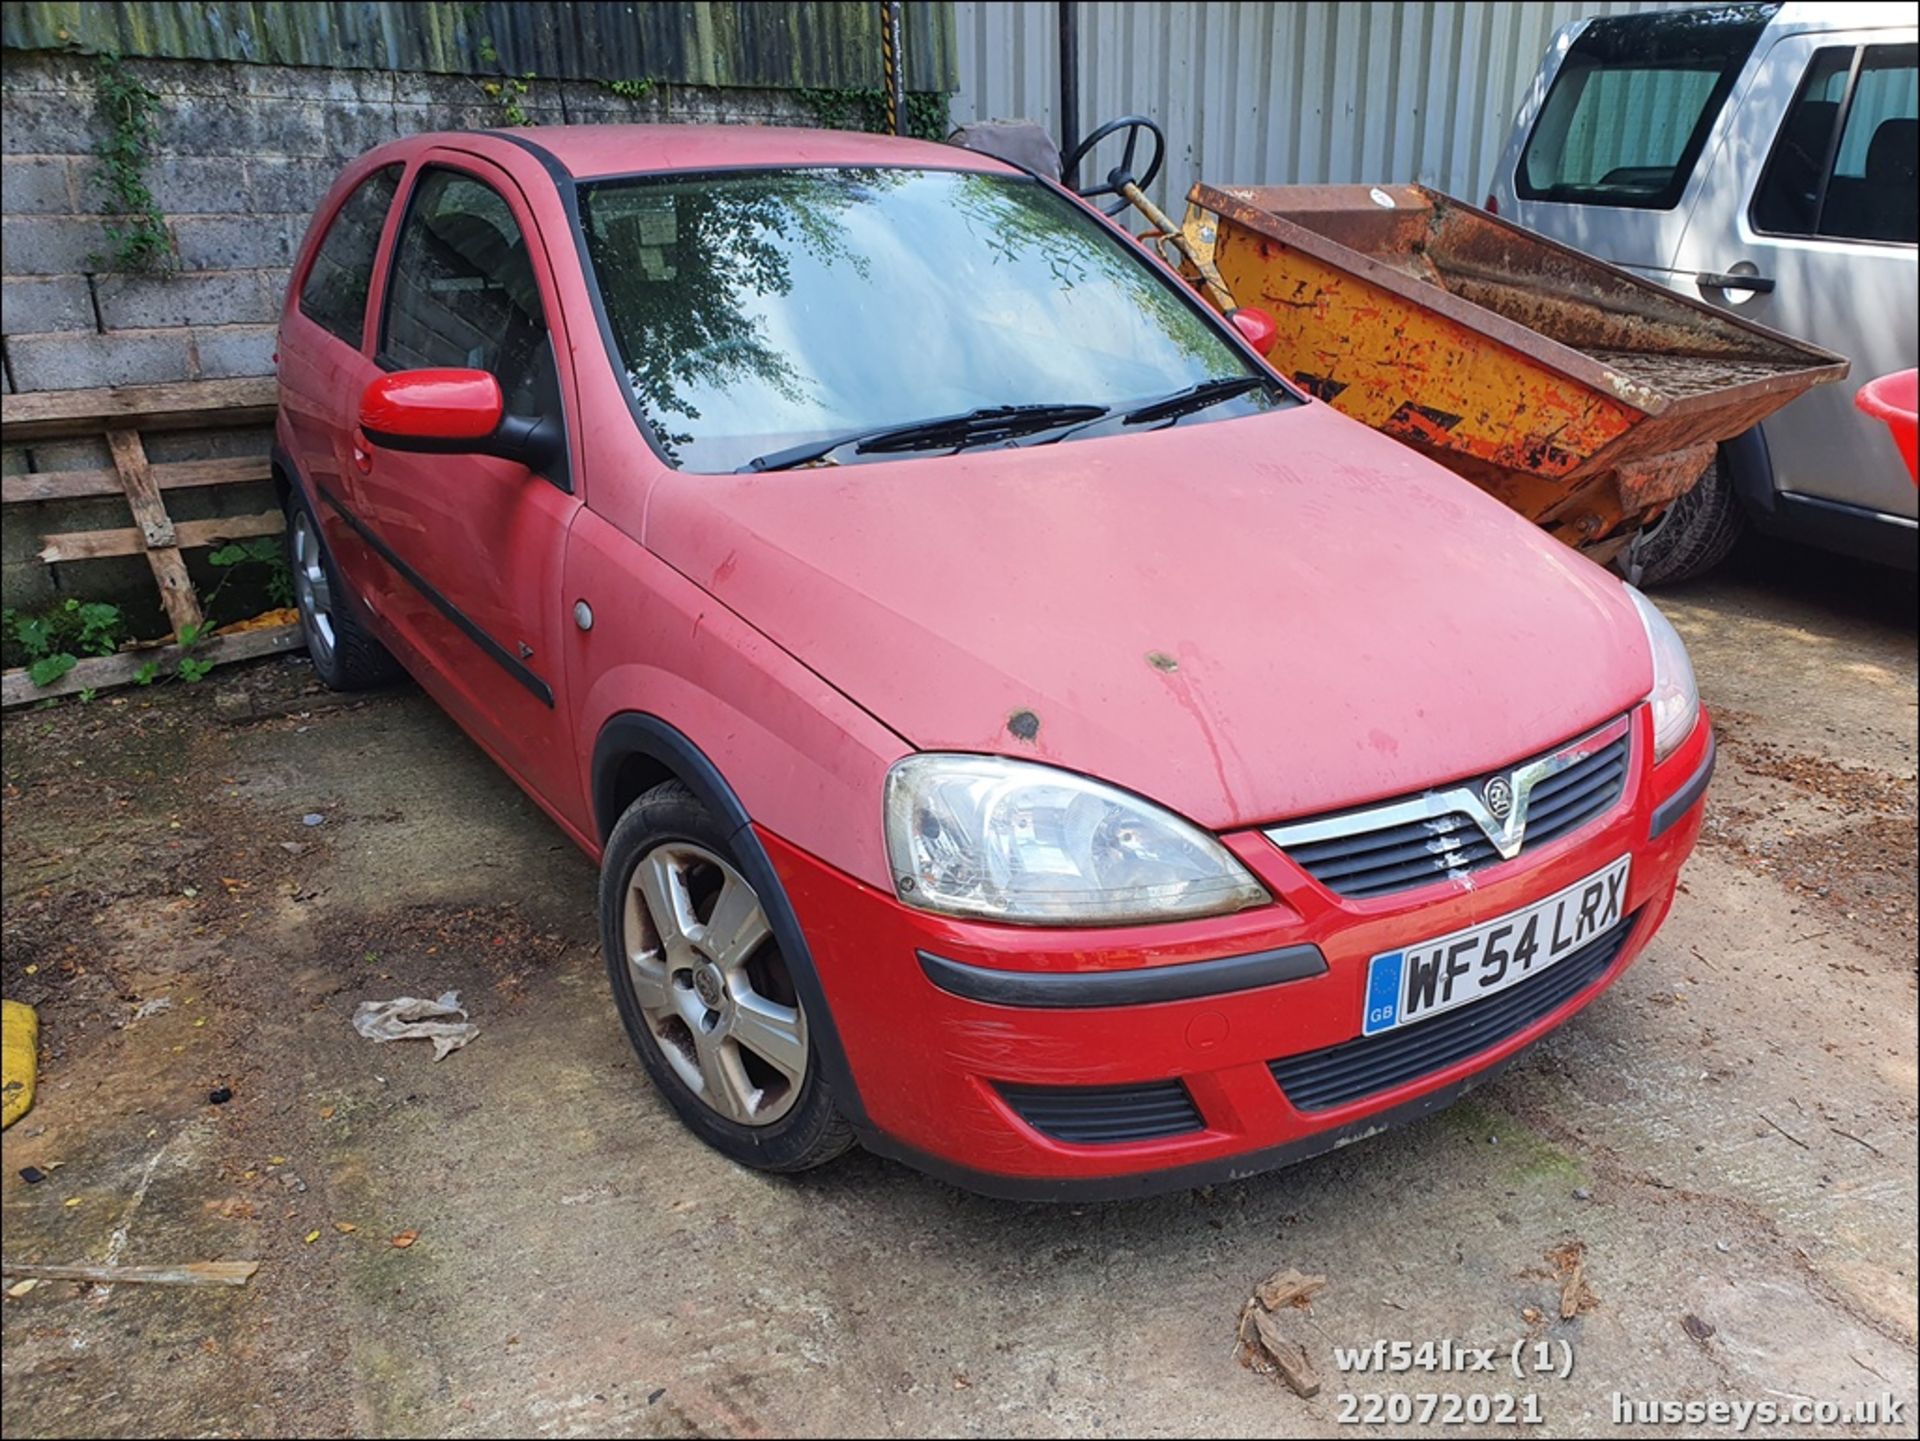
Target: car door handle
x=1717, y=280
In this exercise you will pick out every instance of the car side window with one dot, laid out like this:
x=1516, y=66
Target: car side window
x=334, y=294
x=1843, y=166
x=463, y=293
x=1871, y=194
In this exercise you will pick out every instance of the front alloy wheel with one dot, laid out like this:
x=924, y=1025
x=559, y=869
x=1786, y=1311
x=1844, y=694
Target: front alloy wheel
x=705, y=991
x=711, y=984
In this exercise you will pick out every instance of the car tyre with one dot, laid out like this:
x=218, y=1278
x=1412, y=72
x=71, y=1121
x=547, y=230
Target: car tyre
x=1694, y=534
x=345, y=654
x=703, y=990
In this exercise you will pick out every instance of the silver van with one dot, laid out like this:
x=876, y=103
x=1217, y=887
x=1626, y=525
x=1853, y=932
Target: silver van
x=1761, y=157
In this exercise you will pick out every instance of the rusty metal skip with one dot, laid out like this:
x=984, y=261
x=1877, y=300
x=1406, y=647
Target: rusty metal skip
x=1582, y=396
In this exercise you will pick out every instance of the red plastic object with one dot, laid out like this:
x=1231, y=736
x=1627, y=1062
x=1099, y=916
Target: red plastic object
x=1891, y=398
x=432, y=405
x=1256, y=327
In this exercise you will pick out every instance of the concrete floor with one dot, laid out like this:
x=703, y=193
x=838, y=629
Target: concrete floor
x=1730, y=1131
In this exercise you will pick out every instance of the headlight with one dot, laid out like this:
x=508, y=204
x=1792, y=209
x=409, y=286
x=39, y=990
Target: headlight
x=1013, y=841
x=1675, y=698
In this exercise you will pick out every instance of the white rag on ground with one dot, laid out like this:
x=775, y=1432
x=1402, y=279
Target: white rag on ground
x=408, y=1019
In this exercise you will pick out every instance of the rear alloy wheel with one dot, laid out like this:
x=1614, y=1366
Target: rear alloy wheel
x=706, y=993
x=344, y=653
x=1692, y=535
x=312, y=592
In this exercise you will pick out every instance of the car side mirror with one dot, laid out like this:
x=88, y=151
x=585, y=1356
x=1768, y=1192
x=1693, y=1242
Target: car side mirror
x=453, y=412
x=1256, y=327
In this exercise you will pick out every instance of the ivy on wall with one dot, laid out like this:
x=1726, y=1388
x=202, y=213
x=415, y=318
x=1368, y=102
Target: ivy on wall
x=128, y=111
x=847, y=109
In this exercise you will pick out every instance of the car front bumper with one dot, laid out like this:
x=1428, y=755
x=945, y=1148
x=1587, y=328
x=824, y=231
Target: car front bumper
x=963, y=1038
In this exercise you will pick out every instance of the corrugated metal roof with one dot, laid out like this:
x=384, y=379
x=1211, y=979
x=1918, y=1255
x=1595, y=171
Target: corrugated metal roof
x=1272, y=94
x=810, y=44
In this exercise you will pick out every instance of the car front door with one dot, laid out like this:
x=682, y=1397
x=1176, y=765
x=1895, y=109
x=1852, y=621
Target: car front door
x=1814, y=201
x=473, y=545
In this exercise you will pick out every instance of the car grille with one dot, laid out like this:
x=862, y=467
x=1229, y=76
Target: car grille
x=1346, y=1072
x=1582, y=792
x=1380, y=854
x=1106, y=1115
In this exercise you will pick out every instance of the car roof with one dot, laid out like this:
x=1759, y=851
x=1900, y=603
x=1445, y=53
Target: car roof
x=590, y=151
x=1857, y=15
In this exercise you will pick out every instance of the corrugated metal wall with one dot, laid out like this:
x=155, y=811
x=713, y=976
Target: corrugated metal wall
x=1258, y=93
x=818, y=44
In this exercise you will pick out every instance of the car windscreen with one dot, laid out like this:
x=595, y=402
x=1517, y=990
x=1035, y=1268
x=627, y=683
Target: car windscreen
x=1632, y=104
x=756, y=311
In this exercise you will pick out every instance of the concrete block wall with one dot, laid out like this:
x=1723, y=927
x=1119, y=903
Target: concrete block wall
x=243, y=153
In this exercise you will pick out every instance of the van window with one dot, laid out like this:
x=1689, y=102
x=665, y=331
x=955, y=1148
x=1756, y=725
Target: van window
x=334, y=294
x=1860, y=108
x=1631, y=106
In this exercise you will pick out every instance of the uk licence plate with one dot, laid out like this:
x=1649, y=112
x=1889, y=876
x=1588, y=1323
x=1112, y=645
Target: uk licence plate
x=1423, y=980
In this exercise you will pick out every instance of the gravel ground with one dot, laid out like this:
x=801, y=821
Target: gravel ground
x=1726, y=1140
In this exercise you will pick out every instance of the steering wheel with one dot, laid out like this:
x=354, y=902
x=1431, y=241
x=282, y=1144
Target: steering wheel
x=1121, y=174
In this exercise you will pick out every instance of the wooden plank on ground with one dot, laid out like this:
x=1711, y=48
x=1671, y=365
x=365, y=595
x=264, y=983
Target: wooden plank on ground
x=185, y=404
x=188, y=534
x=167, y=475
x=193, y=1273
x=156, y=530
x=106, y=671
x=1289, y=1357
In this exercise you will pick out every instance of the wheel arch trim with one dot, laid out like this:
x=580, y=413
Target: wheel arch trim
x=632, y=733
x=1750, y=469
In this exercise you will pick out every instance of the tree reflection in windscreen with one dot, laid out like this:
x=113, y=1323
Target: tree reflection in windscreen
x=762, y=310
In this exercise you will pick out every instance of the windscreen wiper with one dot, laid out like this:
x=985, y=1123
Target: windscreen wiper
x=1194, y=397
x=970, y=427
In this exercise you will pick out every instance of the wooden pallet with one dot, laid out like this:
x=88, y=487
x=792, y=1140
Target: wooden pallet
x=121, y=415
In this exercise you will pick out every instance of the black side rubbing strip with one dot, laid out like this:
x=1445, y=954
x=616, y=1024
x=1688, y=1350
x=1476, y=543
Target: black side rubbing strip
x=1144, y=987
x=495, y=652
x=1668, y=813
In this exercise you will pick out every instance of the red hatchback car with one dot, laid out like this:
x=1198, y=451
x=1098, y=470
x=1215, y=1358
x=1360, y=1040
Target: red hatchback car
x=1017, y=729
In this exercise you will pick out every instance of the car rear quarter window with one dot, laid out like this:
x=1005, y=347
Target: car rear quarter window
x=334, y=294
x=464, y=293
x=1843, y=166
x=1633, y=102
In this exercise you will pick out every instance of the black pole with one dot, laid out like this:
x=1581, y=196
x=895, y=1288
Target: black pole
x=1069, y=81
